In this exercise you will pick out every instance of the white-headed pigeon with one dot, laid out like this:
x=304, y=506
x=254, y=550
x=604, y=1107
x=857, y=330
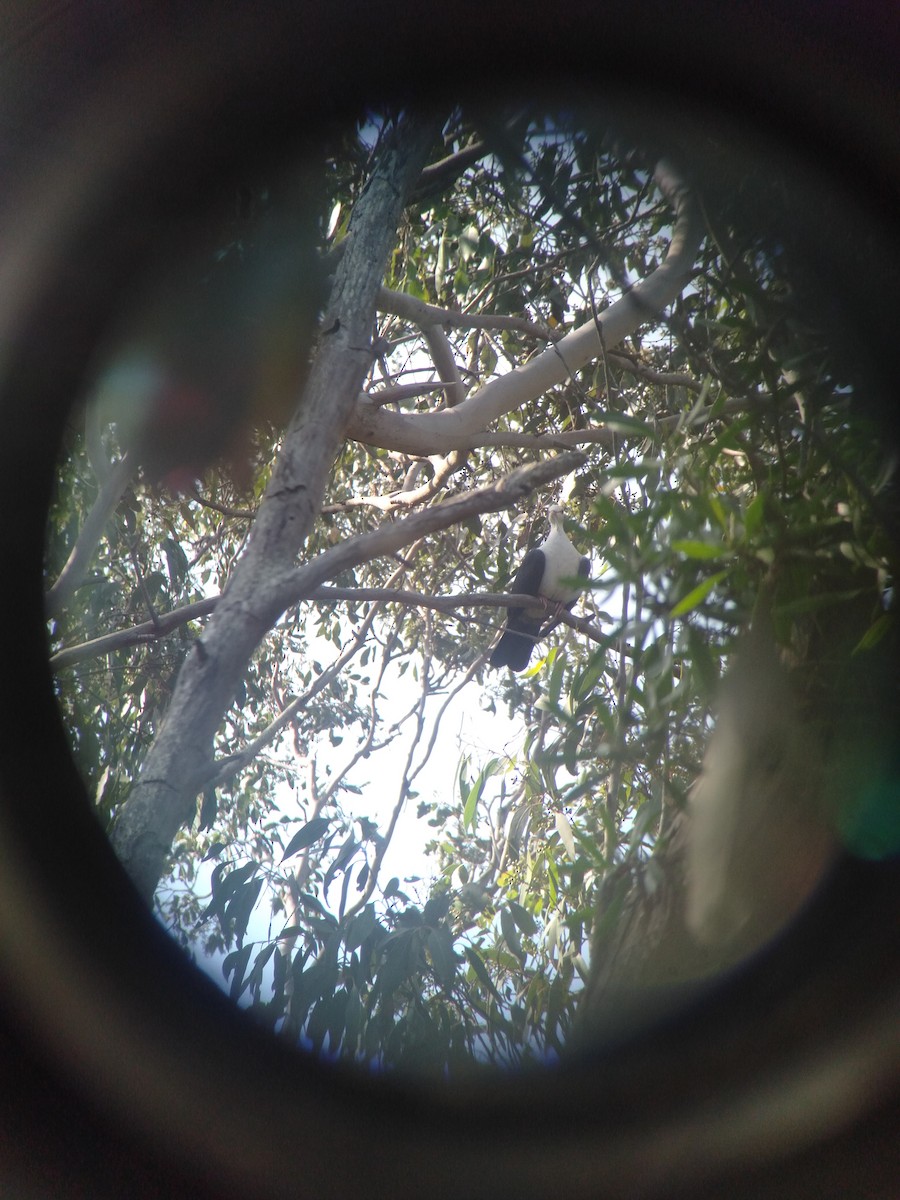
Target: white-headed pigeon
x=546, y=571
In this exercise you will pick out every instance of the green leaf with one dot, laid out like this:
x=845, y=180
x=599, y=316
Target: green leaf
x=436, y=908
x=304, y=837
x=571, y=746
x=461, y=781
x=209, y=808
x=360, y=927
x=875, y=632
x=523, y=919
x=224, y=886
x=488, y=359
x=317, y=1025
x=558, y=999
x=753, y=516
x=234, y=965
x=477, y=964
x=471, y=804
x=698, y=550
x=353, y=1018
x=254, y=979
x=341, y=860
x=585, y=682
x=564, y=829
x=474, y=794
x=554, y=680
x=552, y=882
x=240, y=907
x=397, y=963
x=697, y=595
x=511, y=934
x=703, y=661
x=718, y=510
x=624, y=423
x=439, y=944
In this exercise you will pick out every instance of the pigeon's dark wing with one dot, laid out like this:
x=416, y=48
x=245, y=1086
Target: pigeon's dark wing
x=584, y=572
x=522, y=630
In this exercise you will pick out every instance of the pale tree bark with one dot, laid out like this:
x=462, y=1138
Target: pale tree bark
x=459, y=427
x=162, y=798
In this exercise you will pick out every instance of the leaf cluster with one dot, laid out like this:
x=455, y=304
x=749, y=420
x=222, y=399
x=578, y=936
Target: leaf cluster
x=730, y=461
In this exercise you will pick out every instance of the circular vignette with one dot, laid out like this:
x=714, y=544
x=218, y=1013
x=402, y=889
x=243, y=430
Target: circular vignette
x=122, y=1046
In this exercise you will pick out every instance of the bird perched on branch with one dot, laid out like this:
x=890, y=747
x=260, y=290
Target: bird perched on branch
x=548, y=572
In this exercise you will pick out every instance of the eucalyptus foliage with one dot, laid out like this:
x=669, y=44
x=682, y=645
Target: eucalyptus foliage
x=724, y=454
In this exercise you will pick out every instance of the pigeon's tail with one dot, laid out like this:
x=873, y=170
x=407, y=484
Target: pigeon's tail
x=514, y=648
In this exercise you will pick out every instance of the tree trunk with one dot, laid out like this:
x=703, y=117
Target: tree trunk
x=162, y=799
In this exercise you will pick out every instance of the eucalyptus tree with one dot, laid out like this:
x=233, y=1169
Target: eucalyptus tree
x=312, y=459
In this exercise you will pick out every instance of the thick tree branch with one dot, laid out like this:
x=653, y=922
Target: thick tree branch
x=442, y=356
x=599, y=434
x=387, y=539
x=147, y=631
x=426, y=315
x=437, y=177
x=392, y=536
x=397, y=393
x=427, y=433
x=135, y=635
